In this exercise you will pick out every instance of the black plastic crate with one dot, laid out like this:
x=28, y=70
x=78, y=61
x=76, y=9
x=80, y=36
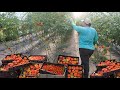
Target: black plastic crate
x=67, y=57
x=66, y=74
x=97, y=77
x=14, y=54
x=38, y=61
x=100, y=67
x=47, y=72
x=110, y=73
x=35, y=63
x=19, y=67
x=112, y=60
x=104, y=66
x=30, y=76
x=5, y=62
x=106, y=75
x=8, y=74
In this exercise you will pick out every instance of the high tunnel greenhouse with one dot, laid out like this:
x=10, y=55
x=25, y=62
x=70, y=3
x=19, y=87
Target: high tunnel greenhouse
x=45, y=45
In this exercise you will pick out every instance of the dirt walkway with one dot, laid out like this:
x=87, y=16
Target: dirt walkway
x=73, y=47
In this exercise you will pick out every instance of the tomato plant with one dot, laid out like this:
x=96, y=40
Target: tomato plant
x=9, y=23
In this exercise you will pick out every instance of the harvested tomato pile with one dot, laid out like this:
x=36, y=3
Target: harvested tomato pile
x=31, y=71
x=54, y=69
x=36, y=57
x=68, y=60
x=75, y=71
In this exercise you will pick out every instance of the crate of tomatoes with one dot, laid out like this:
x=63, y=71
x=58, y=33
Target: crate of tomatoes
x=37, y=58
x=10, y=58
x=53, y=69
x=68, y=60
x=111, y=69
x=100, y=74
x=17, y=64
x=108, y=71
x=31, y=71
x=106, y=62
x=74, y=71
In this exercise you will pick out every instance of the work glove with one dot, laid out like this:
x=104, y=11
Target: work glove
x=73, y=22
x=96, y=46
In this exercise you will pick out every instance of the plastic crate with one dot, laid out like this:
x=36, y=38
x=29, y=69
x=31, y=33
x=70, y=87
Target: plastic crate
x=8, y=74
x=14, y=54
x=5, y=62
x=42, y=71
x=19, y=67
x=97, y=77
x=100, y=67
x=112, y=60
x=66, y=75
x=104, y=66
x=107, y=74
x=68, y=61
x=38, y=61
x=30, y=76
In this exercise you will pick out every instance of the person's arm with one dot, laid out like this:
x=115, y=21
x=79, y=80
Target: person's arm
x=75, y=27
x=96, y=38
